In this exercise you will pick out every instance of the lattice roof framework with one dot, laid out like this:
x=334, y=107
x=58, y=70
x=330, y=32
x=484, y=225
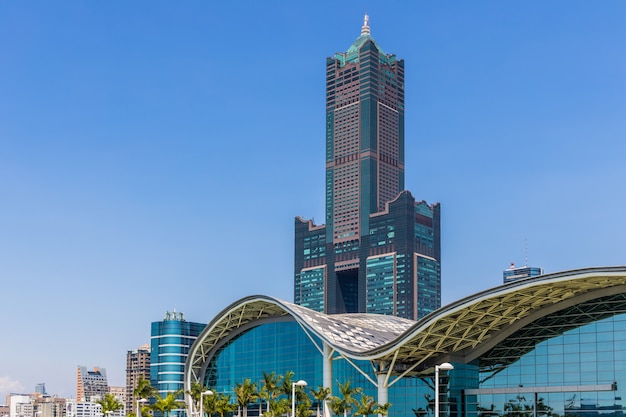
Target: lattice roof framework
x=459, y=332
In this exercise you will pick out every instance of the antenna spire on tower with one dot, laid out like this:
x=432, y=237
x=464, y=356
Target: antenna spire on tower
x=365, y=29
x=526, y=244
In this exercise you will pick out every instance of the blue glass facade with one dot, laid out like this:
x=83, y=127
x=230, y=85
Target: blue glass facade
x=381, y=273
x=395, y=269
x=169, y=346
x=579, y=372
x=283, y=347
x=275, y=347
x=514, y=273
x=311, y=288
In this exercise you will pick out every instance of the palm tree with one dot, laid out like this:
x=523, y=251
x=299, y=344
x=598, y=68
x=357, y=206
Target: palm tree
x=264, y=395
x=320, y=395
x=346, y=402
x=110, y=404
x=143, y=390
x=382, y=409
x=269, y=390
x=209, y=404
x=246, y=393
x=194, y=393
x=303, y=409
x=168, y=403
x=222, y=404
x=336, y=406
x=144, y=409
x=278, y=407
x=286, y=384
x=366, y=406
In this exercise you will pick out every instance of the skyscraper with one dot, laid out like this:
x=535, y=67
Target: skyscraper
x=137, y=367
x=379, y=250
x=41, y=388
x=90, y=384
x=169, y=345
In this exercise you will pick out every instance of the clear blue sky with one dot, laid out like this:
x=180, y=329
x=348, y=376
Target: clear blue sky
x=153, y=154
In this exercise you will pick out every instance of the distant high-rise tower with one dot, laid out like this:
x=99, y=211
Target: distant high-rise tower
x=91, y=384
x=170, y=342
x=41, y=388
x=137, y=367
x=514, y=273
x=379, y=251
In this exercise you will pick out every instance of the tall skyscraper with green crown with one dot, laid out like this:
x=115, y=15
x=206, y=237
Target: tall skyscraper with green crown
x=379, y=250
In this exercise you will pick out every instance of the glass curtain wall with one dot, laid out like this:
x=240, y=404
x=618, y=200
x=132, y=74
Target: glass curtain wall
x=579, y=373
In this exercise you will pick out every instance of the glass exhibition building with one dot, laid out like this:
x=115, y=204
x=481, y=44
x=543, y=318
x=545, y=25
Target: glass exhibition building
x=553, y=345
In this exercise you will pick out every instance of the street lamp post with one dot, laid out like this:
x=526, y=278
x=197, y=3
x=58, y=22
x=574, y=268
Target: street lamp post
x=202, y=394
x=139, y=404
x=300, y=383
x=444, y=367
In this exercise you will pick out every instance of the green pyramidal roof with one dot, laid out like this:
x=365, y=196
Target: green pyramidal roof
x=352, y=54
x=356, y=45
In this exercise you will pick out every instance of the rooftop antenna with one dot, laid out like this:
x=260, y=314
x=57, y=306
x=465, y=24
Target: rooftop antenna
x=365, y=29
x=526, y=244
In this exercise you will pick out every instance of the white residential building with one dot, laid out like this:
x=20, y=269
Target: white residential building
x=21, y=405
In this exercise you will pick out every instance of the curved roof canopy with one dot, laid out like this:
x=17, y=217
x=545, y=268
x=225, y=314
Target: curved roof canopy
x=460, y=332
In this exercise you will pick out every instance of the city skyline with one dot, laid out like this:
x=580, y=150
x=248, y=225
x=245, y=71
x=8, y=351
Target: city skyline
x=137, y=151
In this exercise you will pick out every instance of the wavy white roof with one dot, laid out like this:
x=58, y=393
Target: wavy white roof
x=462, y=330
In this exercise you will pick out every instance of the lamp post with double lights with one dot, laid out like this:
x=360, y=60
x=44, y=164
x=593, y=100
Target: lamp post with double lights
x=202, y=394
x=140, y=402
x=443, y=367
x=300, y=383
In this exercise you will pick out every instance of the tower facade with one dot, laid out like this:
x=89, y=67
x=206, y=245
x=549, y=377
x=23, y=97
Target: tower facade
x=170, y=341
x=137, y=367
x=41, y=388
x=379, y=250
x=90, y=384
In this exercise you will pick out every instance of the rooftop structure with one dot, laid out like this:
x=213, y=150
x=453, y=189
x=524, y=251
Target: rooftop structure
x=514, y=273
